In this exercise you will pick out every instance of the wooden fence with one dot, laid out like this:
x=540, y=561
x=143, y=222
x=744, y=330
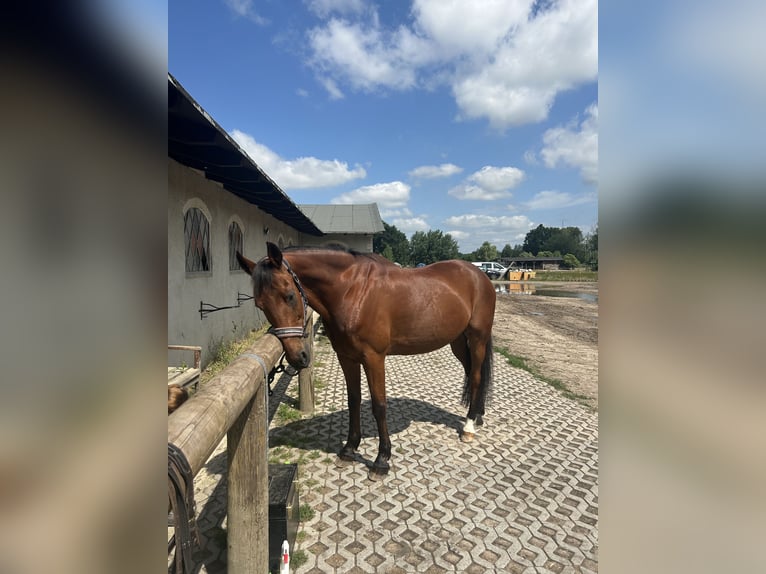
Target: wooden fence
x=234, y=403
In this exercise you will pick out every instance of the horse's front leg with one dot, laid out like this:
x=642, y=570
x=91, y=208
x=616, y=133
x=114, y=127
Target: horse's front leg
x=374, y=368
x=353, y=376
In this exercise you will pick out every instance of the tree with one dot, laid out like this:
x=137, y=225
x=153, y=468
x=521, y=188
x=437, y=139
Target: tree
x=566, y=240
x=396, y=240
x=432, y=246
x=570, y=261
x=591, y=249
x=536, y=239
x=509, y=251
x=487, y=252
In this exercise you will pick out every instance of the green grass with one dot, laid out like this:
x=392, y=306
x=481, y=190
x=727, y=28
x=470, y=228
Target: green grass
x=574, y=275
x=298, y=559
x=521, y=363
x=225, y=352
x=306, y=513
x=286, y=413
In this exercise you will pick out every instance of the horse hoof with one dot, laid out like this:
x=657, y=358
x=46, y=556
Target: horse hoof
x=377, y=474
x=467, y=437
x=343, y=462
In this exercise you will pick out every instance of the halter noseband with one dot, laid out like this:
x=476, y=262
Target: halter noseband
x=289, y=332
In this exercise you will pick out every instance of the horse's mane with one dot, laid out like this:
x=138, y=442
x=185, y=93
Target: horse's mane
x=262, y=275
x=338, y=247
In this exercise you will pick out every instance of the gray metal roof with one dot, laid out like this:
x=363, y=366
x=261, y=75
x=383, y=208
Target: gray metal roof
x=347, y=219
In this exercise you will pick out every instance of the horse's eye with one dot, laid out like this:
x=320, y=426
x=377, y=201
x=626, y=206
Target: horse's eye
x=290, y=298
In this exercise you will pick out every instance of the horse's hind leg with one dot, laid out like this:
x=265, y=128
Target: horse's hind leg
x=353, y=375
x=478, y=380
x=374, y=368
x=462, y=351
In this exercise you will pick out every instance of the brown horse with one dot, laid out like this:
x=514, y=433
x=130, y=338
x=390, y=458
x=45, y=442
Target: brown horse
x=371, y=308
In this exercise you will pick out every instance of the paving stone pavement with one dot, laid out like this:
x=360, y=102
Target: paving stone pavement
x=521, y=498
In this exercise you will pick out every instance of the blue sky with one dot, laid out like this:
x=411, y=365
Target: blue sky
x=477, y=118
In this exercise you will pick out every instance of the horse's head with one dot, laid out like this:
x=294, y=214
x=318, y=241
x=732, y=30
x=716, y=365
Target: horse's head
x=278, y=293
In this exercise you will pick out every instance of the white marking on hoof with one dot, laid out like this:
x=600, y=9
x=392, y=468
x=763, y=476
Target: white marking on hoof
x=469, y=430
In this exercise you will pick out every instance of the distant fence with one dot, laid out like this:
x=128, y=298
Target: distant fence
x=234, y=403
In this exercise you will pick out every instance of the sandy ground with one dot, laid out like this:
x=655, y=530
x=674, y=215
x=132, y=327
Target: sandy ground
x=557, y=335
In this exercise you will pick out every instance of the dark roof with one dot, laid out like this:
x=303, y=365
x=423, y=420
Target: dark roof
x=347, y=219
x=197, y=141
x=538, y=259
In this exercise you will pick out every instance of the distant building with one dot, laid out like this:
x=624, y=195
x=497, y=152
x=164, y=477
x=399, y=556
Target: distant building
x=351, y=225
x=544, y=263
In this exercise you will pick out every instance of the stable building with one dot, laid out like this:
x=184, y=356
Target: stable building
x=220, y=202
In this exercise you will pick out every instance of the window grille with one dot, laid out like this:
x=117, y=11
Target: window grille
x=235, y=244
x=197, y=241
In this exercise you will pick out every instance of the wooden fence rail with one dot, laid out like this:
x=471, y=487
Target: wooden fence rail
x=234, y=404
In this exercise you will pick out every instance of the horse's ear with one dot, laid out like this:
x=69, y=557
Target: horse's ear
x=245, y=263
x=275, y=255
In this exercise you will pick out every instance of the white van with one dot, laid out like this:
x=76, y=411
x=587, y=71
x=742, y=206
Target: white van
x=493, y=269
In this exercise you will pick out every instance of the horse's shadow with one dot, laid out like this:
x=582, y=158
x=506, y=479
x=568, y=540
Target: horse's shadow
x=325, y=433
x=328, y=432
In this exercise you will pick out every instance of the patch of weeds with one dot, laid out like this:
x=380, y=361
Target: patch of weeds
x=314, y=454
x=521, y=363
x=301, y=536
x=311, y=482
x=224, y=352
x=305, y=513
x=327, y=460
x=298, y=559
x=286, y=413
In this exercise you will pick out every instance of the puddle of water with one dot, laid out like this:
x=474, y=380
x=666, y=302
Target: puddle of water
x=515, y=289
x=531, y=289
x=590, y=297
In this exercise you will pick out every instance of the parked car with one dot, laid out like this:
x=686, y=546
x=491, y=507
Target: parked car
x=493, y=269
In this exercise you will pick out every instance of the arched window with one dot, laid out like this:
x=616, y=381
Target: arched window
x=235, y=244
x=197, y=240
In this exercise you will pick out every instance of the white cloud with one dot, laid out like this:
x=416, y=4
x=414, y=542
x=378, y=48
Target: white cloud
x=513, y=223
x=391, y=213
x=435, y=171
x=504, y=60
x=575, y=145
x=367, y=57
x=323, y=8
x=557, y=200
x=411, y=225
x=497, y=178
x=300, y=173
x=332, y=88
x=473, y=229
x=489, y=183
x=469, y=27
x=244, y=8
x=475, y=192
x=392, y=195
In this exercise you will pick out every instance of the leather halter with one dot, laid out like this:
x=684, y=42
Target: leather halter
x=290, y=332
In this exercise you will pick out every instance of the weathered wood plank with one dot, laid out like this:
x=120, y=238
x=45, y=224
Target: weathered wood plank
x=200, y=424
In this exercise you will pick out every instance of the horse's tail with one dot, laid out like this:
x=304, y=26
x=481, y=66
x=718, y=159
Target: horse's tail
x=484, y=394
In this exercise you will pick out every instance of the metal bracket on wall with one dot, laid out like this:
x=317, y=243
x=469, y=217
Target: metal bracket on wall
x=206, y=308
x=242, y=297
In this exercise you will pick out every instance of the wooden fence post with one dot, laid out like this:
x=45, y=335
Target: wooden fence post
x=248, y=496
x=306, y=377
